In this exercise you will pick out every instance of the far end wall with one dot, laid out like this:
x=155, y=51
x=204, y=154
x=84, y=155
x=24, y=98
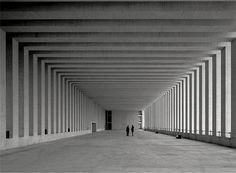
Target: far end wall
x=120, y=119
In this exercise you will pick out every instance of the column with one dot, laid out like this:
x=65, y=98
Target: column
x=233, y=92
x=206, y=98
x=64, y=125
x=210, y=90
x=59, y=127
x=177, y=107
x=55, y=100
x=190, y=103
x=223, y=92
x=15, y=89
x=187, y=104
x=26, y=93
x=46, y=98
x=214, y=85
x=35, y=96
x=203, y=103
x=183, y=105
x=42, y=98
x=2, y=88
x=49, y=94
x=195, y=128
x=218, y=93
x=180, y=106
x=175, y=112
x=67, y=115
x=228, y=84
x=200, y=99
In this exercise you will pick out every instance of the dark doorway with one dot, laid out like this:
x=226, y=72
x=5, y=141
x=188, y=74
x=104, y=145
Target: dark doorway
x=94, y=128
x=108, y=125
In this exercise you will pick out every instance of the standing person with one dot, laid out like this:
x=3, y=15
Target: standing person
x=132, y=130
x=127, y=130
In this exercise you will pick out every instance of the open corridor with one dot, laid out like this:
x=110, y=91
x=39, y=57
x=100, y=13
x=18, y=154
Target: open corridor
x=112, y=151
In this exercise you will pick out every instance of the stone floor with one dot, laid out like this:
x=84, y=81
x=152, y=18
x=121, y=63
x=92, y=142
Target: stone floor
x=112, y=151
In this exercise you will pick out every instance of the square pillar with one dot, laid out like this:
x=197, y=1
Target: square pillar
x=190, y=103
x=233, y=91
x=43, y=99
x=49, y=99
x=54, y=98
x=3, y=86
x=200, y=101
x=15, y=87
x=206, y=97
x=35, y=96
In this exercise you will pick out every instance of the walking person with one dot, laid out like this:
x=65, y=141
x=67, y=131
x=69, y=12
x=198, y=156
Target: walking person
x=127, y=130
x=132, y=130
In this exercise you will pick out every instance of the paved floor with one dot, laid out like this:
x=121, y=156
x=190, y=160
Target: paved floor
x=112, y=151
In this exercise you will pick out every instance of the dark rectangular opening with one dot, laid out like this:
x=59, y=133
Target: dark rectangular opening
x=8, y=134
x=46, y=131
x=108, y=124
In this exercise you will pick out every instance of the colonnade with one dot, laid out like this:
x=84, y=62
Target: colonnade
x=37, y=102
x=201, y=105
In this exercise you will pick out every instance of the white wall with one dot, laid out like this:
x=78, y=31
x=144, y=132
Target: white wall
x=120, y=119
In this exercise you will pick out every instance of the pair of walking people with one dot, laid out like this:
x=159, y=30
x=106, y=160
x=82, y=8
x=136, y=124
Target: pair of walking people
x=127, y=130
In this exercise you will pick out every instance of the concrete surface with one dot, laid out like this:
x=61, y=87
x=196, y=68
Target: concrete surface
x=120, y=119
x=112, y=151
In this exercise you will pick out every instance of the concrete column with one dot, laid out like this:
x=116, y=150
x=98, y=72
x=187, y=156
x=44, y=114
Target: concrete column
x=72, y=88
x=26, y=93
x=190, y=103
x=167, y=111
x=42, y=98
x=180, y=106
x=2, y=88
x=210, y=90
x=170, y=118
x=46, y=97
x=233, y=92
x=35, y=96
x=200, y=99
x=214, y=85
x=223, y=91
x=228, y=84
x=177, y=107
x=64, y=125
x=70, y=108
x=49, y=98
x=9, y=84
x=161, y=112
x=174, y=120
x=83, y=112
x=218, y=93
x=55, y=115
x=171, y=108
x=79, y=105
x=67, y=114
x=203, y=101
x=206, y=97
x=74, y=107
x=15, y=89
x=59, y=104
x=184, y=105
x=195, y=103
